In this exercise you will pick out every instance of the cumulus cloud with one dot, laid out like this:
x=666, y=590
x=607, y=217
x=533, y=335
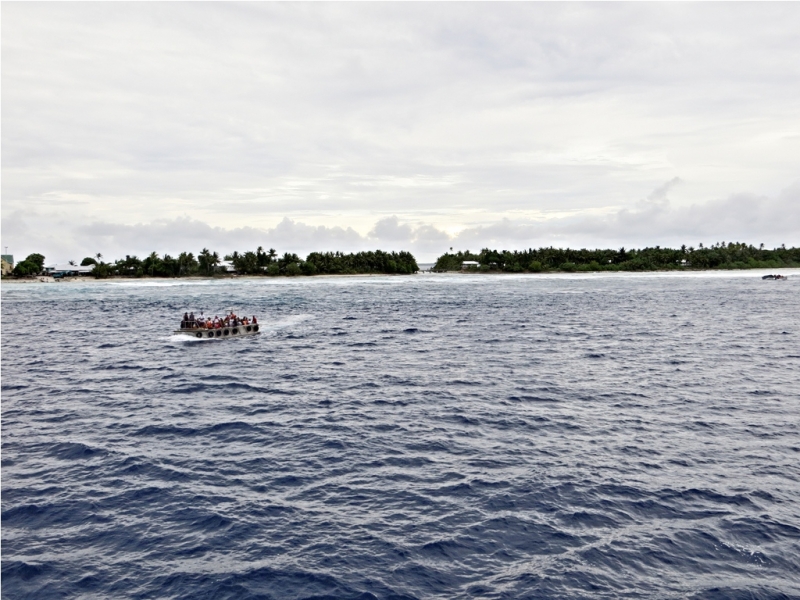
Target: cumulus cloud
x=654, y=221
x=742, y=217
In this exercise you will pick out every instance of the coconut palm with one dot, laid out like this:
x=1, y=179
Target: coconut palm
x=152, y=262
x=204, y=258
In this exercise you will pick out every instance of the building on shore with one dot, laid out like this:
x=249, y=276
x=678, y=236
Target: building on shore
x=226, y=266
x=8, y=263
x=68, y=270
x=468, y=265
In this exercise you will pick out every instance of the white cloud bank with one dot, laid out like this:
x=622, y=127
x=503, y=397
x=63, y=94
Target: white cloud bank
x=653, y=221
x=128, y=127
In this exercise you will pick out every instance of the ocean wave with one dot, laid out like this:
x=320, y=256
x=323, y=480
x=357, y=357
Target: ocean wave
x=465, y=436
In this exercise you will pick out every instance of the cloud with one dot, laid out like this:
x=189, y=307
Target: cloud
x=390, y=229
x=659, y=195
x=423, y=239
x=740, y=217
x=505, y=122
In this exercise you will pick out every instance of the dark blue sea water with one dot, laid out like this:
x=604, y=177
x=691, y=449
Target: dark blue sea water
x=431, y=436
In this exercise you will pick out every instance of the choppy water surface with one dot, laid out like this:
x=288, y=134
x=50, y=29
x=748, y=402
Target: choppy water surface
x=404, y=437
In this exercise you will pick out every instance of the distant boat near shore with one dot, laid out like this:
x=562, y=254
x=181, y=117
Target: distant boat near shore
x=775, y=277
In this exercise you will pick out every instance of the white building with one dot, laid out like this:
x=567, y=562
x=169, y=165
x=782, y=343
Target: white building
x=68, y=270
x=470, y=264
x=227, y=266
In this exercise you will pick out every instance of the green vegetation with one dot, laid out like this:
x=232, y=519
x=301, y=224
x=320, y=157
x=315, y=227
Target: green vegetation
x=362, y=262
x=262, y=263
x=718, y=256
x=268, y=263
x=32, y=265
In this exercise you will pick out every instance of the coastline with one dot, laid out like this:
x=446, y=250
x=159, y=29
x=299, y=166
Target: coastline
x=90, y=279
x=756, y=272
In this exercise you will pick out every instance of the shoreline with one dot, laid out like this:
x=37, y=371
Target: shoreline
x=194, y=278
x=90, y=279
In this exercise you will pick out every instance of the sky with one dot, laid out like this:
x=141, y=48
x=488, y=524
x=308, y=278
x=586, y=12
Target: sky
x=129, y=128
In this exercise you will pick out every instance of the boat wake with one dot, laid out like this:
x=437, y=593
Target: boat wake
x=265, y=328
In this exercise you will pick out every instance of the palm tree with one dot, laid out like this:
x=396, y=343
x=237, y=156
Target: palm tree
x=272, y=254
x=203, y=258
x=153, y=259
x=99, y=256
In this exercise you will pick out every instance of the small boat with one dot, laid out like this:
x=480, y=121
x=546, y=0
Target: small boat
x=775, y=277
x=218, y=333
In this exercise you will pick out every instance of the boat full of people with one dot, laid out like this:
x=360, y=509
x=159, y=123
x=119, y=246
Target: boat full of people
x=775, y=277
x=227, y=327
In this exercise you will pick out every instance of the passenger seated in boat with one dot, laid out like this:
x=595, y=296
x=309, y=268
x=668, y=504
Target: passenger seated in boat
x=189, y=321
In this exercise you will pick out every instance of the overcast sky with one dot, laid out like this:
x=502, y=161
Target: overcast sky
x=128, y=128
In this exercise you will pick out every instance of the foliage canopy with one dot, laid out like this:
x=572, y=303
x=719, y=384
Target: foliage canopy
x=718, y=256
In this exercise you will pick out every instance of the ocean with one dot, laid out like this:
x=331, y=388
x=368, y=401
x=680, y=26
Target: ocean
x=432, y=436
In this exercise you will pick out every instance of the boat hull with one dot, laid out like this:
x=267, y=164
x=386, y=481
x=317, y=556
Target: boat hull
x=223, y=333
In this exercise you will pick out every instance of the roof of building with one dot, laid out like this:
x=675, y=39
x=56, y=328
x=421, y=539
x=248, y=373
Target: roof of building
x=66, y=268
x=470, y=263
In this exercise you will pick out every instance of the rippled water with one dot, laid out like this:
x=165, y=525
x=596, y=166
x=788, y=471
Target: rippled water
x=597, y=436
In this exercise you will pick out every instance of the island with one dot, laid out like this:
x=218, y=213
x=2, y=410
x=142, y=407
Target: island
x=717, y=256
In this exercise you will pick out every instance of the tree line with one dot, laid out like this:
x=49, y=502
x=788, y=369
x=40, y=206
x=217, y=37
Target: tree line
x=258, y=262
x=32, y=265
x=733, y=255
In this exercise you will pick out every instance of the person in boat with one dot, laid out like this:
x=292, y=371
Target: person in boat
x=185, y=321
x=192, y=320
x=255, y=321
